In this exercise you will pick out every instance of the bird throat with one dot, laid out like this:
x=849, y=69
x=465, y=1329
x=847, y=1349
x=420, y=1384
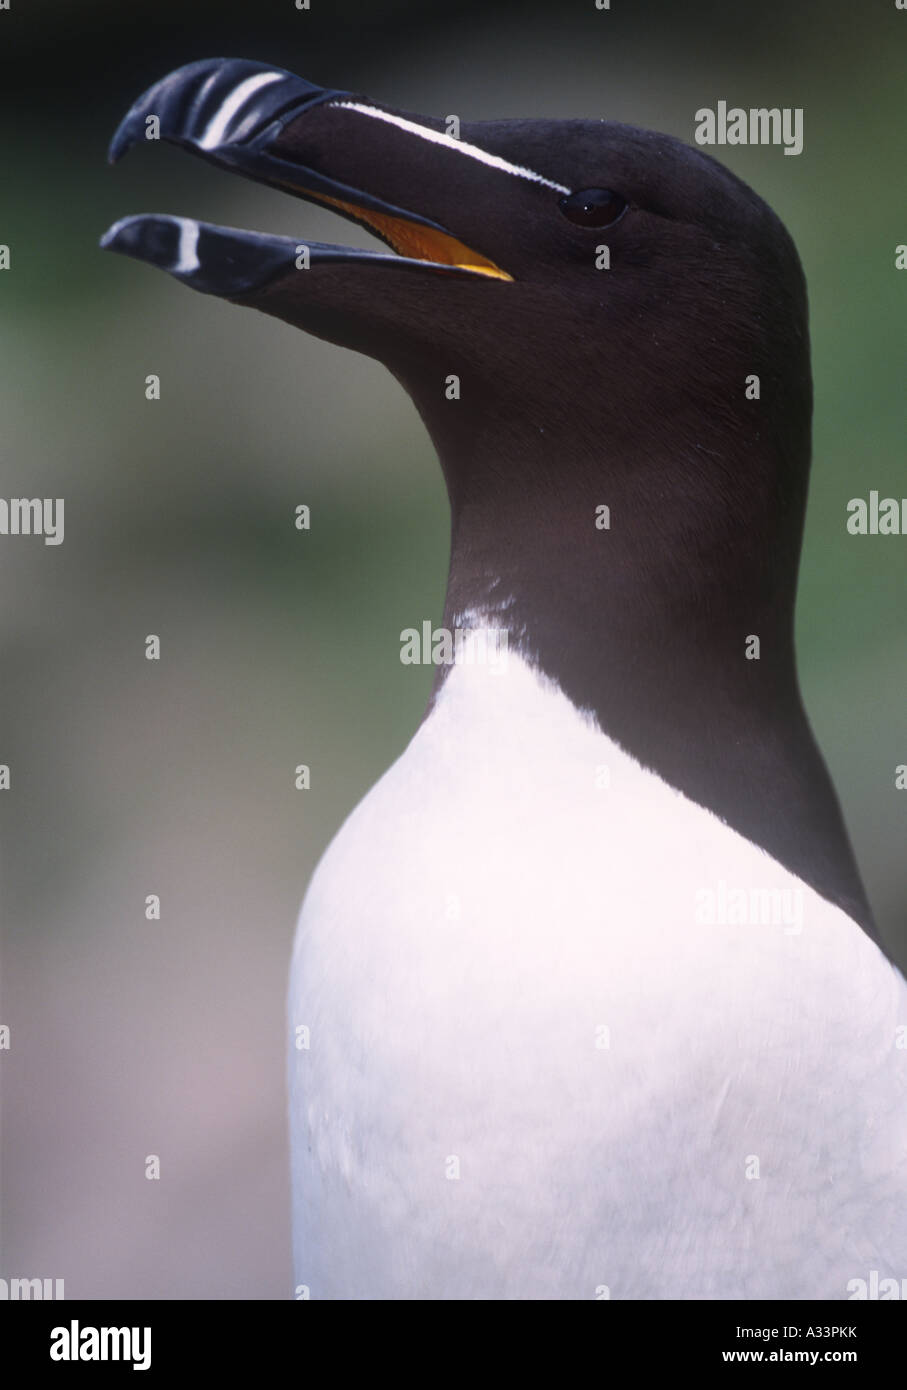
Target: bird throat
x=685, y=661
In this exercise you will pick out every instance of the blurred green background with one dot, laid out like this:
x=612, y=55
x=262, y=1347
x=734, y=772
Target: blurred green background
x=280, y=647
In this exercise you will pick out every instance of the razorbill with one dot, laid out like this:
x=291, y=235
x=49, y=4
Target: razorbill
x=586, y=999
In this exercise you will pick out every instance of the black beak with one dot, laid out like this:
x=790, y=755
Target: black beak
x=235, y=114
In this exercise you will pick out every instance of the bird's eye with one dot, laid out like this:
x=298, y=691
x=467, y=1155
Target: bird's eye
x=593, y=207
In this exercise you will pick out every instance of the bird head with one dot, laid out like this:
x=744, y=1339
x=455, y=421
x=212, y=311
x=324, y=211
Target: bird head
x=603, y=284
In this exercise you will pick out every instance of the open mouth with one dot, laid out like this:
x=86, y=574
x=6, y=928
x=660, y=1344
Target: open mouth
x=427, y=245
x=252, y=120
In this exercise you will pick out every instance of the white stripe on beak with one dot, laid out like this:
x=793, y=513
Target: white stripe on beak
x=216, y=127
x=187, y=258
x=437, y=137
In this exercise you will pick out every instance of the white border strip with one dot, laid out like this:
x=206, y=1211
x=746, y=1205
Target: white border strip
x=438, y=137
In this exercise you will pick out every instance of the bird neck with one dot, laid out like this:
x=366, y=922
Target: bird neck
x=670, y=620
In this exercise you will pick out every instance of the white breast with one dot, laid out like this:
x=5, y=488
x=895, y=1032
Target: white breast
x=536, y=1053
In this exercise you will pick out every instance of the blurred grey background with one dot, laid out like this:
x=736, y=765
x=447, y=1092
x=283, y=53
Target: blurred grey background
x=175, y=777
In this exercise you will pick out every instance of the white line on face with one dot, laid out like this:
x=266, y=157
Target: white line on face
x=437, y=137
x=187, y=257
x=214, y=131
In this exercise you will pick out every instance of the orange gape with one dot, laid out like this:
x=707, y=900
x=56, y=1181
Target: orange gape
x=419, y=243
